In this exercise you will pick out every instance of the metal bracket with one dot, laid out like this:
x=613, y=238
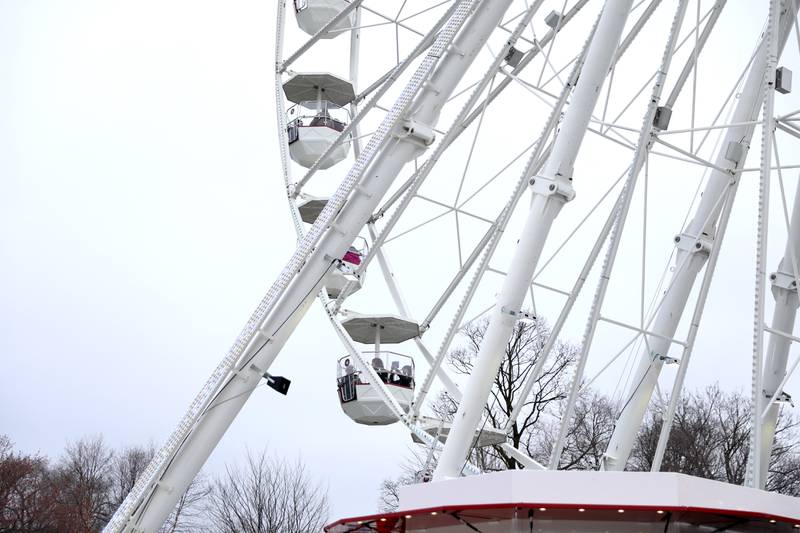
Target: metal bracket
x=545, y=186
x=691, y=244
x=417, y=132
x=783, y=280
x=669, y=360
x=518, y=314
x=781, y=397
x=784, y=397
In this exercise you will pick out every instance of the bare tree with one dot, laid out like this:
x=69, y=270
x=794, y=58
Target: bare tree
x=710, y=438
x=83, y=479
x=129, y=463
x=412, y=470
x=27, y=494
x=586, y=438
x=523, y=350
x=126, y=466
x=79, y=492
x=710, y=435
x=267, y=495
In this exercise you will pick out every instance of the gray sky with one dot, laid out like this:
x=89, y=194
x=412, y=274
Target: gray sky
x=142, y=216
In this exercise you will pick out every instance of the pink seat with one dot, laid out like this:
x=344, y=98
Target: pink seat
x=354, y=258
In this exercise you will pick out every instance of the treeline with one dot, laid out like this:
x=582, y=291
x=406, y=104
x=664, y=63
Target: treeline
x=710, y=435
x=80, y=490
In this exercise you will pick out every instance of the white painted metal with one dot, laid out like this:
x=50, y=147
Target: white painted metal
x=283, y=65
x=784, y=291
x=370, y=409
x=646, y=140
x=693, y=248
x=343, y=280
x=602, y=489
x=407, y=193
x=694, y=327
x=313, y=15
x=394, y=290
x=339, y=220
x=550, y=190
x=573, y=294
x=756, y=475
x=312, y=142
x=390, y=148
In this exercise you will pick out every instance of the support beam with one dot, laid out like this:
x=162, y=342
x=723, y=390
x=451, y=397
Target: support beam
x=647, y=137
x=392, y=146
x=784, y=291
x=693, y=249
x=551, y=190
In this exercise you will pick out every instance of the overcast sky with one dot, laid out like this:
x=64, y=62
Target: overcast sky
x=143, y=215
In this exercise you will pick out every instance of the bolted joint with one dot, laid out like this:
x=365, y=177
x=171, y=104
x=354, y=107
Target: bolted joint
x=417, y=133
x=667, y=360
x=694, y=245
x=517, y=314
x=781, y=397
x=544, y=186
x=783, y=280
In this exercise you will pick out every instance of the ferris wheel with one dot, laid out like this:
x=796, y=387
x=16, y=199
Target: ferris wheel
x=410, y=131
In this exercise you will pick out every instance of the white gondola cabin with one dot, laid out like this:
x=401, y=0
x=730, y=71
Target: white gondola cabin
x=345, y=276
x=360, y=400
x=310, y=207
x=312, y=15
x=318, y=118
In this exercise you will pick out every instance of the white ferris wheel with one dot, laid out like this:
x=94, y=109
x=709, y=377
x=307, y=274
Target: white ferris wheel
x=574, y=161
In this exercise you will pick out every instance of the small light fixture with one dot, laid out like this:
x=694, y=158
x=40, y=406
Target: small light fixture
x=408, y=516
x=660, y=511
x=383, y=520
x=620, y=510
x=277, y=383
x=581, y=510
x=542, y=508
x=433, y=513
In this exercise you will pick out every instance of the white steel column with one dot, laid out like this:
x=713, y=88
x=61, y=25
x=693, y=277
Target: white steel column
x=784, y=290
x=551, y=189
x=404, y=134
x=646, y=140
x=693, y=246
x=754, y=473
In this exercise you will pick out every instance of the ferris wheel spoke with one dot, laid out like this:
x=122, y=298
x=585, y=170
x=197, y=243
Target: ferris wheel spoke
x=422, y=11
x=789, y=128
x=390, y=20
x=692, y=156
x=420, y=176
x=647, y=133
x=580, y=224
x=454, y=209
